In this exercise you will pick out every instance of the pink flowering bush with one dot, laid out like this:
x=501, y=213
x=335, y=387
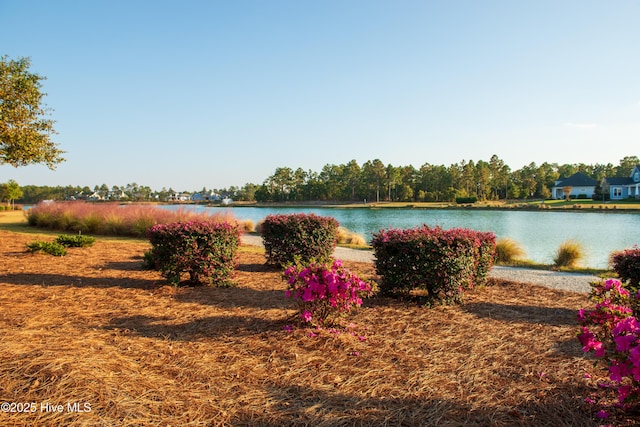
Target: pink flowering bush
x=324, y=292
x=611, y=332
x=203, y=250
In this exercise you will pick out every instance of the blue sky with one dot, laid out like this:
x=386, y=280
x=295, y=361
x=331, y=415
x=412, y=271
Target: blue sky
x=190, y=94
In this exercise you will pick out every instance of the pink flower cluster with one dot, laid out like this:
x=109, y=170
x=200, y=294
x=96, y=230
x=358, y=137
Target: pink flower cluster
x=612, y=332
x=324, y=292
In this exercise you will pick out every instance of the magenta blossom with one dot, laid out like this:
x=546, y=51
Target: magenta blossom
x=306, y=316
x=611, y=331
x=325, y=291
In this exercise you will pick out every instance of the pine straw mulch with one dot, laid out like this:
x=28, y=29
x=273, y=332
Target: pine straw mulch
x=93, y=328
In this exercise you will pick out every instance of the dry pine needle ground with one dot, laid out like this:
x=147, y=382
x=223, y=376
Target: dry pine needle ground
x=93, y=329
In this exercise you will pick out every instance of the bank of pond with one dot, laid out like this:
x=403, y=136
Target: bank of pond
x=540, y=233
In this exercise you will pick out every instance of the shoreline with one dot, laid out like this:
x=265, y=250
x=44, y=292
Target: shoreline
x=535, y=206
x=572, y=282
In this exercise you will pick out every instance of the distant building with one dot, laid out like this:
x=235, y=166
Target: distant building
x=208, y=196
x=578, y=185
x=583, y=187
x=178, y=197
x=623, y=187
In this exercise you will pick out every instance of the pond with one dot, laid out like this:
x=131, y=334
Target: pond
x=540, y=233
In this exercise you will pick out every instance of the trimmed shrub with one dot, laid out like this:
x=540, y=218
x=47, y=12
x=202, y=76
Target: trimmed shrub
x=301, y=238
x=77, y=241
x=444, y=263
x=51, y=248
x=626, y=264
x=204, y=250
x=486, y=256
x=508, y=250
x=568, y=254
x=466, y=200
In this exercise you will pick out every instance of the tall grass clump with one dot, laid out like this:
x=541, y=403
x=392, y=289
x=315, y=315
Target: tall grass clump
x=568, y=254
x=113, y=218
x=248, y=226
x=508, y=250
x=348, y=237
x=91, y=223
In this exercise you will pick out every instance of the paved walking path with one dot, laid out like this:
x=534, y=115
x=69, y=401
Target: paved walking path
x=575, y=282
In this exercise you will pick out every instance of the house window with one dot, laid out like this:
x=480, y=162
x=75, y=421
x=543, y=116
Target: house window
x=617, y=192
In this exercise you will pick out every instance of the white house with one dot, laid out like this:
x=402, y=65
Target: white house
x=178, y=197
x=579, y=186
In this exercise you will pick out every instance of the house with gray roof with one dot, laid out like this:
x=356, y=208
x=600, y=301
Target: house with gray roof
x=620, y=188
x=578, y=185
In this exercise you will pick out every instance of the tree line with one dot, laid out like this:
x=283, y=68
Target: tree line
x=374, y=181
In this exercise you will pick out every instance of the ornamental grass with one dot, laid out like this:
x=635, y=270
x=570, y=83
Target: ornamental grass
x=93, y=329
x=508, y=251
x=112, y=218
x=569, y=254
x=351, y=238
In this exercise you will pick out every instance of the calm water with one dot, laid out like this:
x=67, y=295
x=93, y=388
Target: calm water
x=539, y=233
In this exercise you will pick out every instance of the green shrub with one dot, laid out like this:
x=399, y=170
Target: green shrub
x=443, y=263
x=466, y=200
x=75, y=241
x=626, y=264
x=568, y=254
x=508, y=250
x=51, y=248
x=486, y=256
x=204, y=250
x=299, y=238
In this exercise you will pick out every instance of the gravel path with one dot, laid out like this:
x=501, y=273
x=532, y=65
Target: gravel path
x=574, y=282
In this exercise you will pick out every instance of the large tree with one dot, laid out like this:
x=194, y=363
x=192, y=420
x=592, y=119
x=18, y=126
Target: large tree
x=25, y=129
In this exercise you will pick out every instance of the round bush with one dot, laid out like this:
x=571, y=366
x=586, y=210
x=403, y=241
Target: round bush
x=299, y=238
